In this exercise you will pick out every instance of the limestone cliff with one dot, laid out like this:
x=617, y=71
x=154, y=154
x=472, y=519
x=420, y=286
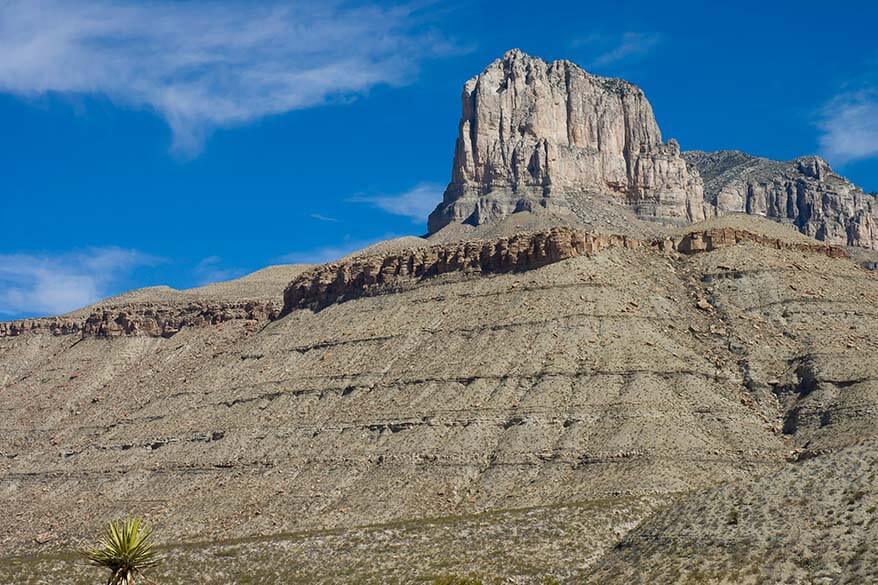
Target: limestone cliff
x=805, y=192
x=549, y=135
x=537, y=134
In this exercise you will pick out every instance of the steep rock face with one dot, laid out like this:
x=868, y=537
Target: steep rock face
x=534, y=133
x=805, y=192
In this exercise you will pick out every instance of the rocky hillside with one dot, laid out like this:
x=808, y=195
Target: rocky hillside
x=813, y=522
x=615, y=380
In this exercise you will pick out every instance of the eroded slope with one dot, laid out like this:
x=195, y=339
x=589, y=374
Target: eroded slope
x=635, y=373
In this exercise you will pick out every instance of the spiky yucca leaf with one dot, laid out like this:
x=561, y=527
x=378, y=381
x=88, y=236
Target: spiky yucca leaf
x=125, y=549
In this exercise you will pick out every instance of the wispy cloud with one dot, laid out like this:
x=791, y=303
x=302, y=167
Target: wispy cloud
x=619, y=48
x=210, y=269
x=325, y=218
x=416, y=203
x=54, y=284
x=849, y=127
x=324, y=254
x=206, y=65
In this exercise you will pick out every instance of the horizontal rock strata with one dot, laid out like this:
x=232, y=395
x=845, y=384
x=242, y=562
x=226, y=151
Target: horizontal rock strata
x=146, y=319
x=708, y=240
x=634, y=372
x=338, y=281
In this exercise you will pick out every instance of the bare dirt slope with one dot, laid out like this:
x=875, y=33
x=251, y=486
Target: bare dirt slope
x=605, y=386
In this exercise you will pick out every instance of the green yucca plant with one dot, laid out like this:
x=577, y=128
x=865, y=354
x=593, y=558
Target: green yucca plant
x=125, y=549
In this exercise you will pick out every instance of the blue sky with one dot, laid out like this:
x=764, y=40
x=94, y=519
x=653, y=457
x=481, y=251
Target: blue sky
x=178, y=143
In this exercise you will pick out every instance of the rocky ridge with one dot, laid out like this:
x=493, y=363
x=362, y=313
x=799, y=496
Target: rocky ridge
x=150, y=319
x=362, y=275
x=550, y=136
x=805, y=192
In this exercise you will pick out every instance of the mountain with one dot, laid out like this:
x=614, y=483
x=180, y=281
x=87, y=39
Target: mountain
x=536, y=135
x=566, y=379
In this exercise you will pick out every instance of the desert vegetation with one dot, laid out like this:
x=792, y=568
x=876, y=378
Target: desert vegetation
x=125, y=549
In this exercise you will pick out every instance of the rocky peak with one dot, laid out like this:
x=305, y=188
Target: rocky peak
x=813, y=166
x=534, y=133
x=805, y=192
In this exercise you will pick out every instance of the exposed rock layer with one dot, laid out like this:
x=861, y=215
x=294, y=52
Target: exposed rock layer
x=323, y=285
x=804, y=192
x=147, y=319
x=333, y=282
x=534, y=133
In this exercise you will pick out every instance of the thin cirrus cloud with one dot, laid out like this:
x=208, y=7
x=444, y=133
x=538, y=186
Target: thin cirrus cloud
x=324, y=218
x=203, y=65
x=614, y=49
x=211, y=269
x=849, y=127
x=324, y=254
x=415, y=204
x=32, y=284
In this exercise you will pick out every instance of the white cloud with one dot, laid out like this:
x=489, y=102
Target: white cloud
x=41, y=285
x=625, y=47
x=325, y=218
x=849, y=127
x=416, y=203
x=205, y=65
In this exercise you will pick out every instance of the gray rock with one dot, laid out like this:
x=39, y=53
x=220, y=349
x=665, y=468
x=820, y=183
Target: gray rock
x=804, y=192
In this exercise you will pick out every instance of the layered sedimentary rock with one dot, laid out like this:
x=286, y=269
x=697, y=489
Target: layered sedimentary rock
x=357, y=277
x=146, y=319
x=350, y=279
x=805, y=192
x=536, y=134
x=524, y=409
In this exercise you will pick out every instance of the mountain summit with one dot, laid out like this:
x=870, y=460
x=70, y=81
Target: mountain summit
x=536, y=135
x=539, y=134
